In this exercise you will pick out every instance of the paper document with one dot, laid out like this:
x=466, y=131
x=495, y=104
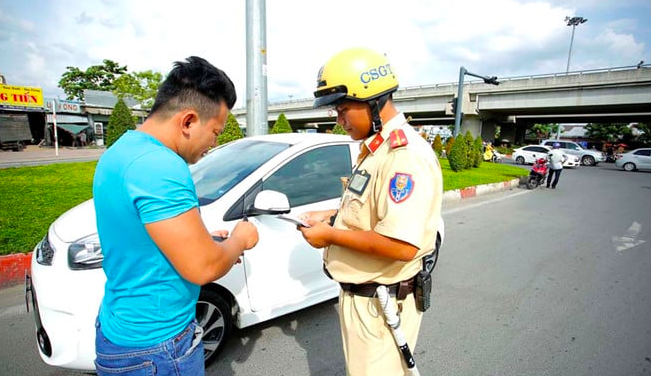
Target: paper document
x=293, y=219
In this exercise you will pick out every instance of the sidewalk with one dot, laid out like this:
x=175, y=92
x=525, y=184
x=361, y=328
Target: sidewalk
x=34, y=155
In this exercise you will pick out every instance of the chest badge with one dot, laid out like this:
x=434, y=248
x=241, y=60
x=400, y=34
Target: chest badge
x=400, y=187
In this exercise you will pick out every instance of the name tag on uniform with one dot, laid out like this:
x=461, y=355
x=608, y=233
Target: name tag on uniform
x=359, y=181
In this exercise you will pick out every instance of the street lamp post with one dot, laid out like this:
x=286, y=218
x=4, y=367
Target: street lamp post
x=457, y=113
x=572, y=21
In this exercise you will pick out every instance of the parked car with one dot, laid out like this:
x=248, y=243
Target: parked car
x=638, y=159
x=528, y=155
x=586, y=156
x=281, y=274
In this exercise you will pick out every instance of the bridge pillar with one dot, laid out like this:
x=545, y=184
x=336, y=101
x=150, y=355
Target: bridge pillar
x=488, y=131
x=507, y=132
x=470, y=123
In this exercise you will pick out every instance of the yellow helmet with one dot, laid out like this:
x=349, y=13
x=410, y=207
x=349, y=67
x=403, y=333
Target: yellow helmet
x=357, y=74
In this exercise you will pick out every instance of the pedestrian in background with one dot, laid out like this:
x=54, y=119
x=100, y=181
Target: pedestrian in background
x=556, y=159
x=389, y=213
x=157, y=250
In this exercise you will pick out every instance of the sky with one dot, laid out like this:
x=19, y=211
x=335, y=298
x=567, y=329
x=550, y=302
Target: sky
x=426, y=41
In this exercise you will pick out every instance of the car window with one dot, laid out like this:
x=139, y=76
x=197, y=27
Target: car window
x=643, y=152
x=220, y=170
x=313, y=176
x=540, y=149
x=529, y=148
x=571, y=146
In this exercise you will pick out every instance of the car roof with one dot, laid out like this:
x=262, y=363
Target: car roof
x=542, y=146
x=298, y=138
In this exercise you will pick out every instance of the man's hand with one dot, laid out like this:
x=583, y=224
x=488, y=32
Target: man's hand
x=318, y=235
x=246, y=233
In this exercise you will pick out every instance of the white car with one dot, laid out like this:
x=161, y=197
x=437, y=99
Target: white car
x=638, y=159
x=528, y=155
x=280, y=275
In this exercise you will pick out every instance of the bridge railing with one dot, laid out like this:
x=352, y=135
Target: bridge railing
x=300, y=101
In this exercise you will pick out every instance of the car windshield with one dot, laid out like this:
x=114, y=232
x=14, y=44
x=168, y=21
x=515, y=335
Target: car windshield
x=220, y=170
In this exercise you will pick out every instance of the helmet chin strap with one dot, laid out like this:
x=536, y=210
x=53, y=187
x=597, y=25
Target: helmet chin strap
x=376, y=106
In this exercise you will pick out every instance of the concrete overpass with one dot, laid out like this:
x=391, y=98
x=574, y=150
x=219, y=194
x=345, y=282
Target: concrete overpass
x=621, y=94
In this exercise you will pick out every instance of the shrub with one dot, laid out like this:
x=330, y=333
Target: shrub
x=338, y=129
x=458, y=154
x=470, y=150
x=437, y=145
x=281, y=125
x=119, y=122
x=448, y=145
x=479, y=155
x=231, y=132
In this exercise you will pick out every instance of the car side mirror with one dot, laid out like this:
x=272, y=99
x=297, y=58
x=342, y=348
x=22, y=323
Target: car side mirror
x=269, y=202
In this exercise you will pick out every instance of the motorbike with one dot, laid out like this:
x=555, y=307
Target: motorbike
x=538, y=173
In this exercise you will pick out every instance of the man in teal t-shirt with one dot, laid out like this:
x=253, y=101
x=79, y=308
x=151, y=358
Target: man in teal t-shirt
x=157, y=251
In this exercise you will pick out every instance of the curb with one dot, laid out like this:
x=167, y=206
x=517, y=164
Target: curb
x=459, y=194
x=13, y=267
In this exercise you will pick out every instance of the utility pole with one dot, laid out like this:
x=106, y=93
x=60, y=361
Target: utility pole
x=256, y=68
x=459, y=99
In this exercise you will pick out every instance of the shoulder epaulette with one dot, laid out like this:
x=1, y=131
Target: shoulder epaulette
x=397, y=138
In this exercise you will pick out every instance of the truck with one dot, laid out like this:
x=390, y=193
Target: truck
x=14, y=131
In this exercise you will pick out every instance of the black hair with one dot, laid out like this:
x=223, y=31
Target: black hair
x=196, y=84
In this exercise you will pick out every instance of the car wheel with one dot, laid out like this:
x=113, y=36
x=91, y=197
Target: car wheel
x=629, y=166
x=519, y=160
x=214, y=316
x=587, y=160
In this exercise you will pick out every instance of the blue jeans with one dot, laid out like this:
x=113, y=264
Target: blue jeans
x=180, y=355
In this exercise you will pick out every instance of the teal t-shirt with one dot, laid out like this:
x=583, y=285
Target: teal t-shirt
x=137, y=181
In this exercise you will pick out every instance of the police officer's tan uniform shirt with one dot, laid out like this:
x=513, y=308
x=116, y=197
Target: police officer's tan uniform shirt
x=402, y=200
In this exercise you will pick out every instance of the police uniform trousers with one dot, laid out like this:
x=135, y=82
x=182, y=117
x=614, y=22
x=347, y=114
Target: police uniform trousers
x=369, y=346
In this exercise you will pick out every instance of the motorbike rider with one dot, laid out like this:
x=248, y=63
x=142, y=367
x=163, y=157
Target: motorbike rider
x=489, y=152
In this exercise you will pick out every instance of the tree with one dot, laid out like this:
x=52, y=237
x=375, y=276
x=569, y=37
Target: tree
x=96, y=77
x=119, y=122
x=458, y=155
x=338, y=129
x=231, y=132
x=437, y=145
x=142, y=86
x=542, y=131
x=610, y=132
x=281, y=125
x=643, y=132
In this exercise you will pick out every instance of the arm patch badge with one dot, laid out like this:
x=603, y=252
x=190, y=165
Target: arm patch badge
x=400, y=187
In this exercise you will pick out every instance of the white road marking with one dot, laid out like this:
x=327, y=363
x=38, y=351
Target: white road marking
x=622, y=243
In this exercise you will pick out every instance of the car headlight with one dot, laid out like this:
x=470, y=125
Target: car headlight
x=44, y=252
x=85, y=253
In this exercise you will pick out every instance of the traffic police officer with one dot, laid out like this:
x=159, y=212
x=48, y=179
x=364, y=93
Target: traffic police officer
x=389, y=213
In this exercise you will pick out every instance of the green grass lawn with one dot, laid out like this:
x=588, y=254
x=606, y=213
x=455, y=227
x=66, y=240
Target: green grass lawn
x=31, y=198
